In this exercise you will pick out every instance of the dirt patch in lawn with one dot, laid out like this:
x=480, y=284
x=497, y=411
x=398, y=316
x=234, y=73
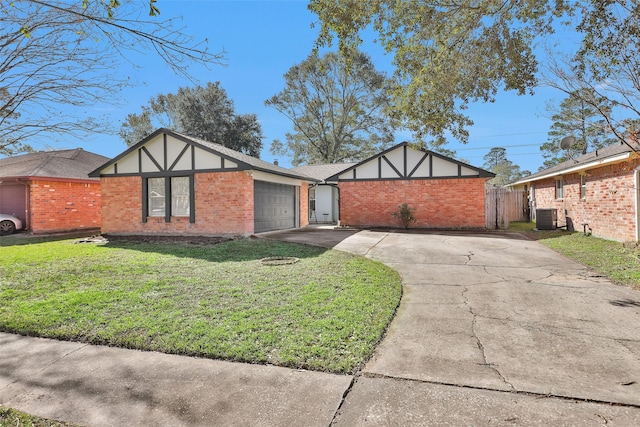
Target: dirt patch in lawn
x=164, y=239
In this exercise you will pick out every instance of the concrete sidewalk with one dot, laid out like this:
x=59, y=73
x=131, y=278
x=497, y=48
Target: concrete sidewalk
x=102, y=386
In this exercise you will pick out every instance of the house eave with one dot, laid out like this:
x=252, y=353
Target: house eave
x=577, y=168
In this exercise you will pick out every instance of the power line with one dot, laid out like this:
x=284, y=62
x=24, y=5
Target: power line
x=510, y=134
x=488, y=148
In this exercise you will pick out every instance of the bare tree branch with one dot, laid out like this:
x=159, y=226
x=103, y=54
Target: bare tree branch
x=59, y=62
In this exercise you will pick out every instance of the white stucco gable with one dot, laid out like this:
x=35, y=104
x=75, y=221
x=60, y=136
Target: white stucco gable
x=166, y=153
x=169, y=153
x=405, y=162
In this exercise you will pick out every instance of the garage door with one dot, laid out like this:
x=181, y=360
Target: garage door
x=12, y=200
x=274, y=206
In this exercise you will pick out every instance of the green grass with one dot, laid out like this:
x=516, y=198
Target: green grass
x=12, y=418
x=619, y=262
x=326, y=312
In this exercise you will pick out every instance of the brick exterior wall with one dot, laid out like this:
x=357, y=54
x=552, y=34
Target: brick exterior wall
x=437, y=203
x=66, y=205
x=122, y=204
x=609, y=205
x=304, y=204
x=223, y=205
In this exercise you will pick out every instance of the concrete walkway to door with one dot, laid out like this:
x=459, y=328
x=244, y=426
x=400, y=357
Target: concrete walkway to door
x=502, y=329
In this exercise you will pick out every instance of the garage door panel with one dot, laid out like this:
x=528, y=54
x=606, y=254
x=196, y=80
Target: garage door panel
x=274, y=206
x=12, y=201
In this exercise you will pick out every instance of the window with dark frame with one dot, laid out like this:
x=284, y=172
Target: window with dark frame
x=583, y=186
x=180, y=196
x=157, y=196
x=172, y=201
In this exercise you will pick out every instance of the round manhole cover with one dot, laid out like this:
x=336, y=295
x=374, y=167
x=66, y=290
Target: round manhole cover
x=279, y=260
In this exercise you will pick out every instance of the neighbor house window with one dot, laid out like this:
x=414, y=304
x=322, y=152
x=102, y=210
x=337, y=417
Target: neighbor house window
x=583, y=186
x=157, y=196
x=169, y=196
x=560, y=189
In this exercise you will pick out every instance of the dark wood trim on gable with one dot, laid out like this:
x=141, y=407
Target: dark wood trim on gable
x=392, y=167
x=404, y=157
x=413, y=179
x=430, y=166
x=155, y=162
x=160, y=174
x=165, y=150
x=184, y=150
x=414, y=170
x=459, y=170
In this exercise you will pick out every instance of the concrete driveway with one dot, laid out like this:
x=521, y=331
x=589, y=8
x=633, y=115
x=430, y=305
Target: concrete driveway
x=495, y=329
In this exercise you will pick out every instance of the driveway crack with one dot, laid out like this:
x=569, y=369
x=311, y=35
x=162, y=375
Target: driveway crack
x=479, y=341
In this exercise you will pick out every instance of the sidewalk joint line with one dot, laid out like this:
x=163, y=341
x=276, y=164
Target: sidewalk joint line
x=518, y=392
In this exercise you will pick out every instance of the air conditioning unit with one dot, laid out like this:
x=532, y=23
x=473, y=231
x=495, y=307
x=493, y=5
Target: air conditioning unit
x=546, y=219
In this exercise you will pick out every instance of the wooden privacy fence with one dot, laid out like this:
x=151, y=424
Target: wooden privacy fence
x=503, y=206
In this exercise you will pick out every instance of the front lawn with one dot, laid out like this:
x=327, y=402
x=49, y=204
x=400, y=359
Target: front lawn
x=619, y=262
x=326, y=312
x=12, y=418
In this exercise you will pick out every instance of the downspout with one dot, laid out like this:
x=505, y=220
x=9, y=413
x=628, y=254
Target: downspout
x=27, y=206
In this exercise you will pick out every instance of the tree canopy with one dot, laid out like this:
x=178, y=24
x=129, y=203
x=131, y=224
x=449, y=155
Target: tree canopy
x=59, y=58
x=579, y=119
x=338, y=109
x=446, y=54
x=605, y=72
x=506, y=171
x=204, y=112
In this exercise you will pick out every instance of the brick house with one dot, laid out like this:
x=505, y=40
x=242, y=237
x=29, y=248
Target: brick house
x=51, y=191
x=597, y=192
x=443, y=192
x=174, y=184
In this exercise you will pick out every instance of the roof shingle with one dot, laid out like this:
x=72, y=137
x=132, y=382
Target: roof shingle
x=596, y=155
x=69, y=164
x=323, y=171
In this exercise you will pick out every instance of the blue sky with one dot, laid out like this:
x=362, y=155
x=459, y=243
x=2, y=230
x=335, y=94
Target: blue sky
x=262, y=40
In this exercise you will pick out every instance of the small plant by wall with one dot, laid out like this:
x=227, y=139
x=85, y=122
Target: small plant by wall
x=405, y=215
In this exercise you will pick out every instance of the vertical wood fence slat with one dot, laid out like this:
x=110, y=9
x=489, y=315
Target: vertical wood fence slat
x=503, y=206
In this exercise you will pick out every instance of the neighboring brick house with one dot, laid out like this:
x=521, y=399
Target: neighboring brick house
x=51, y=191
x=597, y=192
x=174, y=184
x=443, y=192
